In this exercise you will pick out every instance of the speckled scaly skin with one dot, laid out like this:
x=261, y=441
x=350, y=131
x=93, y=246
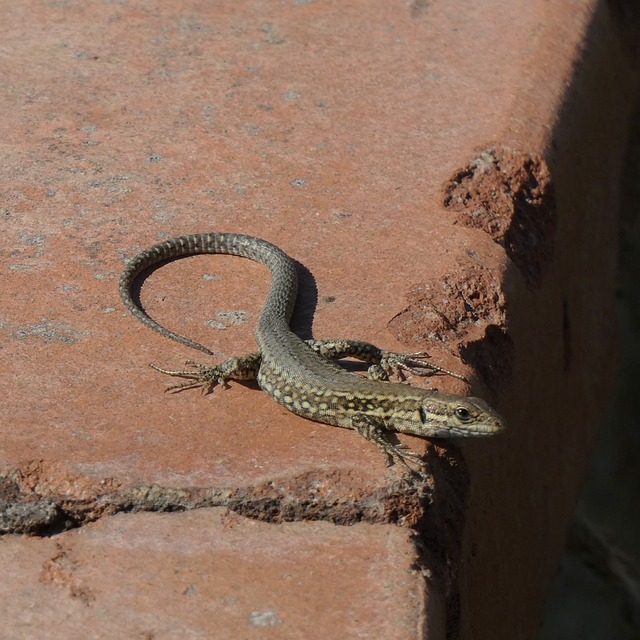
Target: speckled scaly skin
x=302, y=375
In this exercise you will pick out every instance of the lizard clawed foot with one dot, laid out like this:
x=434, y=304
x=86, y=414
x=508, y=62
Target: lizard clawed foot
x=410, y=460
x=393, y=363
x=198, y=375
x=373, y=429
x=206, y=377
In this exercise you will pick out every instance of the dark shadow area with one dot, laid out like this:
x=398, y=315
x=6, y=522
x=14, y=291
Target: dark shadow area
x=306, y=303
x=596, y=592
x=556, y=216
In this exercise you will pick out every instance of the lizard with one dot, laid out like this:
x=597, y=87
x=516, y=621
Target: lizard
x=303, y=376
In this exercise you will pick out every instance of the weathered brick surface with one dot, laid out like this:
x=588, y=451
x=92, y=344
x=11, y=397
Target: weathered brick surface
x=208, y=574
x=448, y=174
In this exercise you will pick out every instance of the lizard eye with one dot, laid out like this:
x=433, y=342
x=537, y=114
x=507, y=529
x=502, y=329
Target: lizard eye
x=463, y=414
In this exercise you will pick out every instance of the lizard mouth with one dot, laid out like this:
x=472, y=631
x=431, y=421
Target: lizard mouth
x=476, y=431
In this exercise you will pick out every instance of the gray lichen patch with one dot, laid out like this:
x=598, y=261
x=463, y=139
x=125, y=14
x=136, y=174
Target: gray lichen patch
x=226, y=319
x=48, y=331
x=30, y=518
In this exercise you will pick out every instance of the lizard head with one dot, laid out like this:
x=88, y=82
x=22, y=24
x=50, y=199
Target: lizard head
x=449, y=416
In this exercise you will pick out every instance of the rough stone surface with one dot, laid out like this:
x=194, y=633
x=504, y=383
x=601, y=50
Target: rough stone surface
x=445, y=172
x=510, y=196
x=211, y=574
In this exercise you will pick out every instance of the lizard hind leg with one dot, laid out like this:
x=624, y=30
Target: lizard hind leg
x=206, y=377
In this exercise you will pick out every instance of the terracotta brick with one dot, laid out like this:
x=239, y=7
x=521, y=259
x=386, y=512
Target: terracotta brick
x=447, y=175
x=209, y=574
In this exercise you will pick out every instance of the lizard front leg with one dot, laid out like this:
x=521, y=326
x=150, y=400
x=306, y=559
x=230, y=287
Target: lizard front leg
x=383, y=364
x=374, y=430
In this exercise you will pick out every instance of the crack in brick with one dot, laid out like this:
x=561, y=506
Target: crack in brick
x=42, y=499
